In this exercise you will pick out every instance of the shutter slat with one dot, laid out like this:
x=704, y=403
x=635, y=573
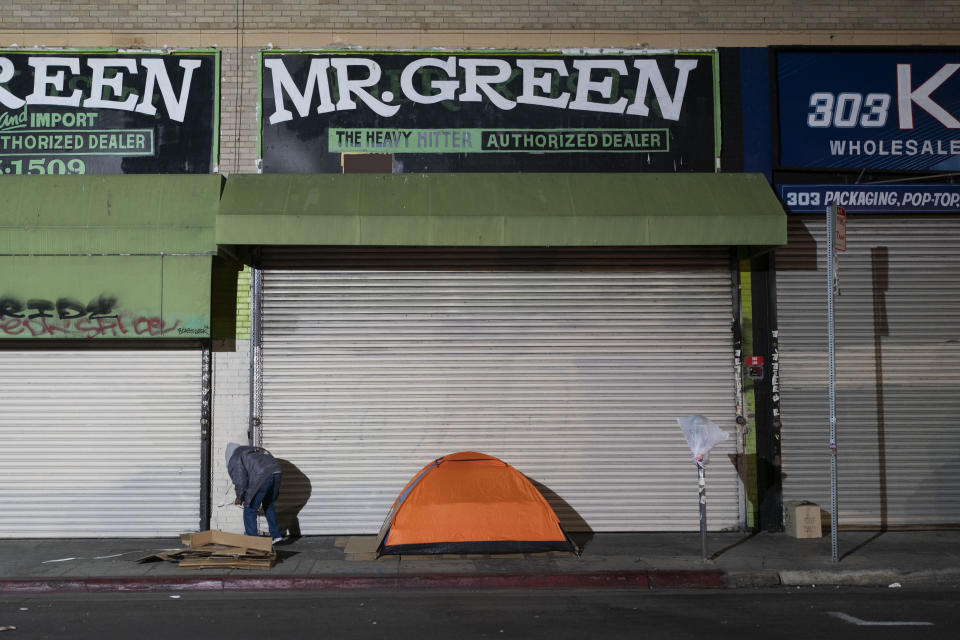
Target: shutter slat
x=99, y=443
x=571, y=366
x=897, y=373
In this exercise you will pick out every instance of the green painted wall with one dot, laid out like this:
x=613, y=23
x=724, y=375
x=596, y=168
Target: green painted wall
x=121, y=256
x=749, y=468
x=230, y=303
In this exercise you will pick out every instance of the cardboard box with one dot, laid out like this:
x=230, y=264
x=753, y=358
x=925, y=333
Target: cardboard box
x=219, y=550
x=215, y=537
x=801, y=519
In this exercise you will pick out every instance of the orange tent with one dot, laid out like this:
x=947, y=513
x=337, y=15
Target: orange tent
x=471, y=503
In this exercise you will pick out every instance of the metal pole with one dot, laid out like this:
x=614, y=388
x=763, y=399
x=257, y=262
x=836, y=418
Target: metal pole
x=703, y=509
x=254, y=432
x=206, y=413
x=831, y=284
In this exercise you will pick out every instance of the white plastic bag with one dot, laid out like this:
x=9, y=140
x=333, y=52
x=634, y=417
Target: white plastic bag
x=702, y=435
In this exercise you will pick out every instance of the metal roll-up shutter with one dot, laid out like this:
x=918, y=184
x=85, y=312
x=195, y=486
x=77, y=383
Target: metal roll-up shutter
x=897, y=368
x=572, y=366
x=99, y=443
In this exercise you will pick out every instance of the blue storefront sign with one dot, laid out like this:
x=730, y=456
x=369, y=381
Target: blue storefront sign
x=814, y=198
x=885, y=110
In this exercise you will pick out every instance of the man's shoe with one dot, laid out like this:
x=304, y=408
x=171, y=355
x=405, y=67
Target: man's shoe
x=278, y=540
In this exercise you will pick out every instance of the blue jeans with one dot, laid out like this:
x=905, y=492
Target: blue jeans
x=266, y=495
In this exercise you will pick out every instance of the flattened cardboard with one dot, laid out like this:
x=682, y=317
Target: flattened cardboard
x=227, y=563
x=219, y=550
x=214, y=536
x=163, y=556
x=361, y=544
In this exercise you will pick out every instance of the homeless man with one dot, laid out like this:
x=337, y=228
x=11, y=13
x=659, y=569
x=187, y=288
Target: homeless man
x=256, y=477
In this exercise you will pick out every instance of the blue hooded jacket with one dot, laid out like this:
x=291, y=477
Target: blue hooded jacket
x=249, y=467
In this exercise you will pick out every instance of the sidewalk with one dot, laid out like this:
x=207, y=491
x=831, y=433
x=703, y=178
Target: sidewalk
x=625, y=560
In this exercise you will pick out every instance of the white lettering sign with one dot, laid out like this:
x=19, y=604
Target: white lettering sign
x=907, y=97
x=52, y=74
x=600, y=85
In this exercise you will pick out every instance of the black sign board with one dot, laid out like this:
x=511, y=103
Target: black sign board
x=68, y=112
x=489, y=111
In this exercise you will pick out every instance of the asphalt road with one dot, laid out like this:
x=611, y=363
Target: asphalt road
x=821, y=613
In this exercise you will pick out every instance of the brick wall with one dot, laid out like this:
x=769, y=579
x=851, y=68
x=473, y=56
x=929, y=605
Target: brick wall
x=231, y=398
x=243, y=304
x=241, y=28
x=709, y=15
x=231, y=419
x=238, y=110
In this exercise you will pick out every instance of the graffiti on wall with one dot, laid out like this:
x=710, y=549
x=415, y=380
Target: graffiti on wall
x=70, y=318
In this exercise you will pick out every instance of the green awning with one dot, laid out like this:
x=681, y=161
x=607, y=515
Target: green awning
x=500, y=209
x=109, y=215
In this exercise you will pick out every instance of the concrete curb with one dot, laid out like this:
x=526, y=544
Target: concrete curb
x=650, y=579
x=616, y=580
x=752, y=579
x=869, y=577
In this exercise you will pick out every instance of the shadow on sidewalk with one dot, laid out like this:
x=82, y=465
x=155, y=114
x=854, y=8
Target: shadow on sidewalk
x=295, y=492
x=872, y=538
x=578, y=531
x=747, y=538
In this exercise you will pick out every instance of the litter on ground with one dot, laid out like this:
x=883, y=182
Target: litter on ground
x=219, y=550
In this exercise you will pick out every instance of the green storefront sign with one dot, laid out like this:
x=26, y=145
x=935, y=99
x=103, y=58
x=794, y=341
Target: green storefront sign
x=498, y=140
